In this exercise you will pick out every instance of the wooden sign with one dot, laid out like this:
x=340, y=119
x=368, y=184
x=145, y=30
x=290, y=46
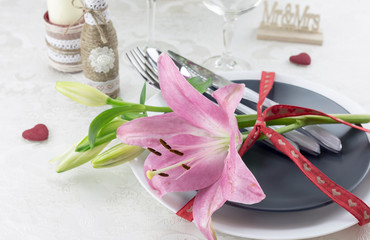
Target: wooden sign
x=289, y=24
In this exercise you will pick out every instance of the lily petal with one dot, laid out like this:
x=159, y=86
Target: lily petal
x=229, y=97
x=146, y=132
x=198, y=155
x=238, y=183
x=186, y=101
x=206, y=202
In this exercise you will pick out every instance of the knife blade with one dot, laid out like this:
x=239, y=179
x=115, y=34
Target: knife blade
x=217, y=80
x=324, y=137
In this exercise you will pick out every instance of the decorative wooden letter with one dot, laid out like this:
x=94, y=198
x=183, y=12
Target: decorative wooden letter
x=289, y=25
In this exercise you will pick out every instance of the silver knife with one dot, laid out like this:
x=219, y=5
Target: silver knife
x=324, y=137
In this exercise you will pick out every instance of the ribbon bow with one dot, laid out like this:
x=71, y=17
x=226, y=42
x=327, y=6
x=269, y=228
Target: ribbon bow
x=97, y=16
x=341, y=196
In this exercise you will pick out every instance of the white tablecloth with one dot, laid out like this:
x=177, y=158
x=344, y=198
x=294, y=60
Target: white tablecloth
x=86, y=203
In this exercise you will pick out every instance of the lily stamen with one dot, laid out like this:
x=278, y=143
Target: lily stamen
x=165, y=144
x=185, y=166
x=151, y=173
x=177, y=152
x=154, y=151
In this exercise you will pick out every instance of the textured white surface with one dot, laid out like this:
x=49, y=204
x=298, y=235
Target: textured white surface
x=85, y=203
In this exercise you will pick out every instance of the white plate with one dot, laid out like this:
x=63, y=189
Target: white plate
x=270, y=225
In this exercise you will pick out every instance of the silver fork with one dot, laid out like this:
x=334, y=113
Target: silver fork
x=148, y=70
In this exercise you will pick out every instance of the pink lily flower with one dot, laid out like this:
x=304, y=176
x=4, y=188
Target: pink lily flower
x=195, y=146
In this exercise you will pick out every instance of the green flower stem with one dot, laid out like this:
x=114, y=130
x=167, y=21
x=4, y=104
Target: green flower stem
x=281, y=130
x=351, y=118
x=249, y=120
x=157, y=109
x=114, y=102
x=293, y=123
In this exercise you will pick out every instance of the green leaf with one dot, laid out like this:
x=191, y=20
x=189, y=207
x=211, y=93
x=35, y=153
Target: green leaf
x=106, y=134
x=199, y=84
x=132, y=116
x=108, y=115
x=143, y=97
x=143, y=94
x=83, y=146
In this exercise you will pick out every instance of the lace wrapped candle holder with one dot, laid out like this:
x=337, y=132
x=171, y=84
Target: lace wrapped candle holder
x=63, y=44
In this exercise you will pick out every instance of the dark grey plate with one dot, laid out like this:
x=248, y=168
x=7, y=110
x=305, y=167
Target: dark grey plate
x=285, y=186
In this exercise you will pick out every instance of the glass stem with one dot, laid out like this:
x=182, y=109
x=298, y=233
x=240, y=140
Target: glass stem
x=151, y=4
x=228, y=35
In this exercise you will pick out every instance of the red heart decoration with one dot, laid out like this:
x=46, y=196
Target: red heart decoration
x=38, y=133
x=301, y=59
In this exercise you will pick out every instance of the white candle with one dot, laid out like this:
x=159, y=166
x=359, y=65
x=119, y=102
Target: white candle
x=62, y=12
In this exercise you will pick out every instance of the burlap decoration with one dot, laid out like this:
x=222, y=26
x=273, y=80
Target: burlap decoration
x=100, y=35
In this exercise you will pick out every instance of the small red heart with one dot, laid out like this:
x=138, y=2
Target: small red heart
x=301, y=59
x=38, y=133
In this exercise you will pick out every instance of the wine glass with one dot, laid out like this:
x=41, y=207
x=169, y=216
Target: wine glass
x=150, y=8
x=230, y=10
x=151, y=40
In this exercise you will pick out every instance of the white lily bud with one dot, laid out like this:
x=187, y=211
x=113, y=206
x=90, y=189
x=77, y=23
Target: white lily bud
x=119, y=154
x=82, y=93
x=72, y=159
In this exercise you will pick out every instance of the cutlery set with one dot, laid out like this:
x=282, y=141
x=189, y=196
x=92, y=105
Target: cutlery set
x=308, y=138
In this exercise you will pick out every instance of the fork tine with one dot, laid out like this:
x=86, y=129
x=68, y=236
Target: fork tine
x=137, y=66
x=148, y=59
x=142, y=70
x=145, y=63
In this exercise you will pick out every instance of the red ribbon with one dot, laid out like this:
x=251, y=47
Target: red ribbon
x=341, y=196
x=186, y=211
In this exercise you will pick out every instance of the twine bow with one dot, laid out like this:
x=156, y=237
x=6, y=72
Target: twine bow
x=341, y=196
x=97, y=16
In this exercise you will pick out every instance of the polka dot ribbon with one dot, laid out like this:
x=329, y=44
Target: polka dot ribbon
x=341, y=196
